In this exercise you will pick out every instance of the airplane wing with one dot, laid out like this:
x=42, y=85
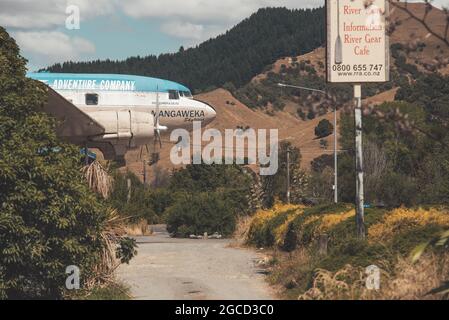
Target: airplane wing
x=73, y=124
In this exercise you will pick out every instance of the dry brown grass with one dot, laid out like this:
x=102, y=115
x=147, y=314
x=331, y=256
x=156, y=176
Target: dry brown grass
x=98, y=178
x=414, y=280
x=103, y=274
x=411, y=281
x=241, y=231
x=140, y=228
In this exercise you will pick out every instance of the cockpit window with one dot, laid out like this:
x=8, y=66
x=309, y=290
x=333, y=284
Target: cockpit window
x=91, y=99
x=186, y=94
x=173, y=95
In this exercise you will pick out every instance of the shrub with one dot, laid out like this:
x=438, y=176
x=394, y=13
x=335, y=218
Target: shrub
x=199, y=213
x=398, y=189
x=311, y=114
x=402, y=220
x=324, y=129
x=270, y=226
x=320, y=163
x=139, y=205
x=324, y=144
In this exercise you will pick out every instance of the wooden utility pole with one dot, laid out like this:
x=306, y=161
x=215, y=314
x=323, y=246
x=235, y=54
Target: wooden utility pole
x=360, y=209
x=288, y=175
x=128, y=183
x=144, y=173
x=335, y=157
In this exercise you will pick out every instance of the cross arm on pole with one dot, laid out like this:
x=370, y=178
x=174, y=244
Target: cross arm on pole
x=302, y=88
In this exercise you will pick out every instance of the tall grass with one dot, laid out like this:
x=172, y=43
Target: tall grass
x=410, y=281
x=98, y=178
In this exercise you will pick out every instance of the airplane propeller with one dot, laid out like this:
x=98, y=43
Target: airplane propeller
x=157, y=126
x=157, y=133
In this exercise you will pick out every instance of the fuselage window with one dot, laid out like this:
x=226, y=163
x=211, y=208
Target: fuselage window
x=91, y=99
x=173, y=95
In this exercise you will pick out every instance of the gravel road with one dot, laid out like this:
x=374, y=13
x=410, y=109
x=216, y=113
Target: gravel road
x=185, y=269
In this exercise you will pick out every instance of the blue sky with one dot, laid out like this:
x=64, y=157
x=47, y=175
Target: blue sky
x=118, y=36
x=117, y=29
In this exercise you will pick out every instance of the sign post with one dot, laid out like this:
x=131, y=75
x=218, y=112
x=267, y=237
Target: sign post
x=359, y=197
x=357, y=52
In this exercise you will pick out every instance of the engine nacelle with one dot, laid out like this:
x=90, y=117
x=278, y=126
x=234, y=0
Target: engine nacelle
x=124, y=128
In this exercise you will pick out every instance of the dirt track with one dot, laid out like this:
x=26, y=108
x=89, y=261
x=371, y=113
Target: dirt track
x=167, y=268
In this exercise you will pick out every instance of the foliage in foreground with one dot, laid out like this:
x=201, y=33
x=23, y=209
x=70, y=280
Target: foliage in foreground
x=408, y=281
x=49, y=219
x=110, y=291
x=392, y=235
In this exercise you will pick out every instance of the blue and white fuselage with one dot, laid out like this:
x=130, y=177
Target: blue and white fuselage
x=120, y=107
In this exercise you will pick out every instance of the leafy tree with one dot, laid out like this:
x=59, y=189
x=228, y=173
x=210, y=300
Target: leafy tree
x=204, y=177
x=402, y=167
x=134, y=202
x=324, y=129
x=126, y=250
x=229, y=188
x=323, y=161
x=49, y=219
x=275, y=186
x=311, y=115
x=196, y=213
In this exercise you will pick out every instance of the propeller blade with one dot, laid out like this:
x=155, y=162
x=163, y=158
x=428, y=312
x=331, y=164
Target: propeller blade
x=156, y=118
x=157, y=126
x=159, y=138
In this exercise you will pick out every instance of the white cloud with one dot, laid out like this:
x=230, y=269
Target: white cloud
x=207, y=11
x=34, y=25
x=198, y=20
x=48, y=14
x=193, y=20
x=48, y=47
x=184, y=30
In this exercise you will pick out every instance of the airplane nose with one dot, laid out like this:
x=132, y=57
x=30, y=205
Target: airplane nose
x=209, y=112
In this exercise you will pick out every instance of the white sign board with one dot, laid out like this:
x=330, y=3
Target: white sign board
x=357, y=41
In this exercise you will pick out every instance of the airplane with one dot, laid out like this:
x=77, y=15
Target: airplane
x=116, y=113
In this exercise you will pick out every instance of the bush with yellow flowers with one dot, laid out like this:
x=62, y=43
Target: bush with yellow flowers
x=267, y=227
x=391, y=237
x=402, y=220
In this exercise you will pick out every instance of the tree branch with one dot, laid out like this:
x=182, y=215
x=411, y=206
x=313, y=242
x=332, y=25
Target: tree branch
x=422, y=21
